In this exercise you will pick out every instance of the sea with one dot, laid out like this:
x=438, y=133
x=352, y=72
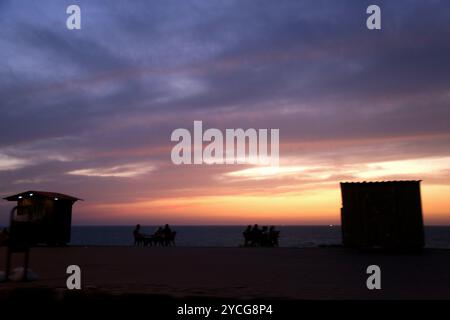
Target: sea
x=231, y=236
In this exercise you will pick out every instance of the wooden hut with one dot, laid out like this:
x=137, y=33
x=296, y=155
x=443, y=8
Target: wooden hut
x=384, y=214
x=46, y=216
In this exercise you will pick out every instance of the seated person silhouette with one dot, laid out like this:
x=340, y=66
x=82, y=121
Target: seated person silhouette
x=138, y=236
x=247, y=235
x=274, y=235
x=264, y=238
x=168, y=235
x=256, y=235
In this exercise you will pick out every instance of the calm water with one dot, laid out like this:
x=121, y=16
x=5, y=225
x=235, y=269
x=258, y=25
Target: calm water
x=231, y=236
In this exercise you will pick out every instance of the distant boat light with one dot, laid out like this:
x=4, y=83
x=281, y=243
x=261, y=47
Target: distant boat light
x=31, y=194
x=56, y=199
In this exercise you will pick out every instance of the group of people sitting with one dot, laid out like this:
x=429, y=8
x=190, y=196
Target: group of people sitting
x=261, y=237
x=162, y=237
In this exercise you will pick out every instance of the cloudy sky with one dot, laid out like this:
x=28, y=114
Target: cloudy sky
x=90, y=112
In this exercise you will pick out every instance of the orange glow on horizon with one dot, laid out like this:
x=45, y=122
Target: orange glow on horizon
x=312, y=207
x=318, y=206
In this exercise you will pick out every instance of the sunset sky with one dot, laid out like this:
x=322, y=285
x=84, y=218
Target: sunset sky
x=90, y=112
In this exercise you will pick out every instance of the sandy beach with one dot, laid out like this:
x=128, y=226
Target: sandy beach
x=242, y=273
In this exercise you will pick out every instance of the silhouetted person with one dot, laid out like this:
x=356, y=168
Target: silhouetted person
x=167, y=230
x=167, y=234
x=264, y=240
x=256, y=235
x=247, y=235
x=273, y=236
x=170, y=240
x=138, y=236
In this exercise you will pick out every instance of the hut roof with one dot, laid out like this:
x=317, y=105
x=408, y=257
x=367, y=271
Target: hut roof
x=381, y=182
x=42, y=194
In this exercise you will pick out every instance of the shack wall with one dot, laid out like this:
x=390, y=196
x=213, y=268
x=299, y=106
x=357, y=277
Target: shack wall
x=50, y=220
x=385, y=214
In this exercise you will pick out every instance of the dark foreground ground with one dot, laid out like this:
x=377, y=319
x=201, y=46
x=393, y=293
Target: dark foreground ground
x=236, y=273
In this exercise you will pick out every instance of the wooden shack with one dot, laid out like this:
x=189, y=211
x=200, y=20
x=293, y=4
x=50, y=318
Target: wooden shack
x=384, y=214
x=46, y=216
